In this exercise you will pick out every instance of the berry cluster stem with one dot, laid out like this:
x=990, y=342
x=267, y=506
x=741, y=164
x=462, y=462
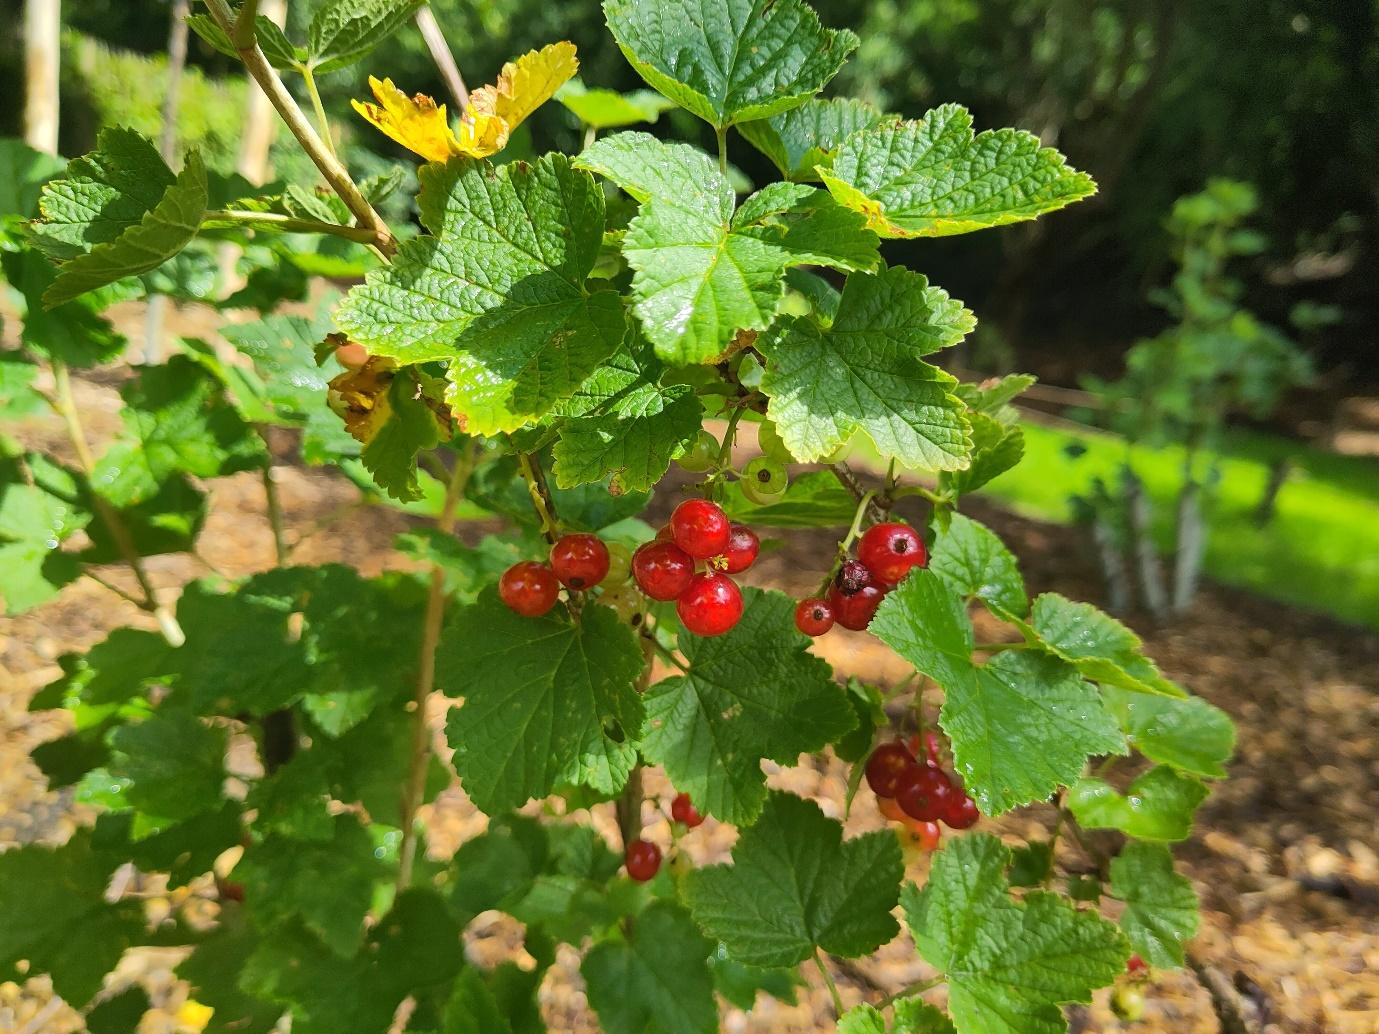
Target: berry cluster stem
x=415, y=787
x=540, y=494
x=838, y=1009
x=854, y=530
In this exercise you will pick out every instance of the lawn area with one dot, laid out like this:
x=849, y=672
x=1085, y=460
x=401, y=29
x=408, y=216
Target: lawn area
x=1321, y=551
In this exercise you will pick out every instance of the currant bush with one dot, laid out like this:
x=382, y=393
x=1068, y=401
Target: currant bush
x=516, y=376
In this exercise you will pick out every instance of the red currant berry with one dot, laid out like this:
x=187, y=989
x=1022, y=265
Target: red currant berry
x=855, y=611
x=700, y=528
x=743, y=547
x=663, y=570
x=852, y=577
x=925, y=793
x=925, y=750
x=1135, y=966
x=580, y=561
x=890, y=551
x=888, y=807
x=924, y=835
x=813, y=616
x=529, y=587
x=683, y=811
x=643, y=860
x=710, y=605
x=962, y=812
x=887, y=764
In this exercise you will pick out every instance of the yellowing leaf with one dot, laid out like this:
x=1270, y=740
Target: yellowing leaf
x=193, y=1016
x=417, y=123
x=420, y=124
x=525, y=84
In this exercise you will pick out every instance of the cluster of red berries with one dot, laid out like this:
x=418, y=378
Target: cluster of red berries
x=578, y=561
x=707, y=601
x=643, y=858
x=913, y=789
x=886, y=553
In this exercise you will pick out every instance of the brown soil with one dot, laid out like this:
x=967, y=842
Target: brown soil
x=1284, y=857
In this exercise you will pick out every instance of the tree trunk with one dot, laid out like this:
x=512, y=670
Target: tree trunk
x=42, y=56
x=1191, y=541
x=1112, y=565
x=1279, y=472
x=1151, y=576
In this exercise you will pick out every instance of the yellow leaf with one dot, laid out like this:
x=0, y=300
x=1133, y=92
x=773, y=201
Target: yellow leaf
x=524, y=85
x=417, y=123
x=193, y=1016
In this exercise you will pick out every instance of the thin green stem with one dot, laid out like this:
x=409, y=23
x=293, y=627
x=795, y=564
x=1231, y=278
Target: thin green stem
x=725, y=450
x=917, y=988
x=273, y=504
x=289, y=224
x=415, y=787
x=667, y=655
x=528, y=464
x=110, y=517
x=721, y=133
x=128, y=597
x=323, y=123
x=846, y=544
x=832, y=986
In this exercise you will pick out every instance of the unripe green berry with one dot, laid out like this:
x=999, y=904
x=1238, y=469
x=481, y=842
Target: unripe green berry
x=701, y=455
x=764, y=480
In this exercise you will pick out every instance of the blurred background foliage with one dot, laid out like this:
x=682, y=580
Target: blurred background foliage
x=1153, y=97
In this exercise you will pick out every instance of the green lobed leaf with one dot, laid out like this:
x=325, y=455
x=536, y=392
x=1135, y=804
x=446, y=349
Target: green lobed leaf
x=657, y=980
x=729, y=60
x=608, y=109
x=1021, y=724
x=213, y=971
x=103, y=194
x=163, y=231
x=1158, y=805
x=1009, y=964
x=623, y=423
x=753, y=693
x=795, y=886
x=23, y=171
x=865, y=372
x=996, y=448
x=53, y=913
x=911, y=1016
x=75, y=333
x=41, y=505
x=1160, y=905
x=281, y=54
x=1098, y=645
x=119, y=1014
x=801, y=139
x=282, y=348
x=411, y=426
x=1189, y=733
x=932, y=177
x=343, y=32
x=971, y=559
x=175, y=764
x=498, y=287
x=176, y=421
x=546, y=700
x=283, y=883
x=701, y=274
x=739, y=984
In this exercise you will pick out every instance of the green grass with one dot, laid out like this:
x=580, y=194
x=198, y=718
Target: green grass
x=1321, y=551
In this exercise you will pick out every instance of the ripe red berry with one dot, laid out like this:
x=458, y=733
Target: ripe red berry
x=643, y=860
x=1135, y=965
x=962, y=812
x=683, y=811
x=700, y=528
x=743, y=547
x=580, y=561
x=813, y=616
x=887, y=764
x=926, y=751
x=925, y=793
x=852, y=577
x=855, y=611
x=529, y=587
x=924, y=835
x=891, y=551
x=663, y=570
x=710, y=605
